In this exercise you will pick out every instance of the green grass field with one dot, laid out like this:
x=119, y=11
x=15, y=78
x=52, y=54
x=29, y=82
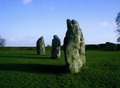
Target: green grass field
x=25, y=69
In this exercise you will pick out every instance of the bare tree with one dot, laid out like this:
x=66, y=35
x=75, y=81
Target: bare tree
x=118, y=26
x=2, y=42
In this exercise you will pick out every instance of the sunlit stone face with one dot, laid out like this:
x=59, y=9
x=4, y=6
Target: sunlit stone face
x=74, y=47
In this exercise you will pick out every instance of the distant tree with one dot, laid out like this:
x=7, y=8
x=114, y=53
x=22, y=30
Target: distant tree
x=118, y=26
x=48, y=46
x=2, y=42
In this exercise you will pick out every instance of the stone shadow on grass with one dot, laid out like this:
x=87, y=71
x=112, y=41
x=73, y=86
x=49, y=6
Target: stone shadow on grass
x=34, y=68
x=25, y=56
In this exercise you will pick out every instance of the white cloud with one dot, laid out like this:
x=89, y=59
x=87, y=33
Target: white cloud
x=104, y=24
x=26, y=1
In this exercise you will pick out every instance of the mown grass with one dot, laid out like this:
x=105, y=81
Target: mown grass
x=25, y=69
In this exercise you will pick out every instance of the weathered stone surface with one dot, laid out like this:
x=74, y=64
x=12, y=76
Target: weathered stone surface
x=56, y=50
x=74, y=47
x=40, y=46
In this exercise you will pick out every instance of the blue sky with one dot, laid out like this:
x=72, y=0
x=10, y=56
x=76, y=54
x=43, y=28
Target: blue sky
x=22, y=22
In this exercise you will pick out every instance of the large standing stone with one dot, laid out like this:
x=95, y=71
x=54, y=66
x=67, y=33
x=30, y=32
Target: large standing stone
x=74, y=47
x=40, y=46
x=56, y=50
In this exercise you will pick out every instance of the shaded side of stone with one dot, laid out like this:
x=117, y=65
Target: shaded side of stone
x=40, y=46
x=56, y=47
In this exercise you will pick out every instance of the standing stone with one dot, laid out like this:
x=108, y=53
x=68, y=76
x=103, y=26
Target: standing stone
x=40, y=46
x=56, y=50
x=74, y=47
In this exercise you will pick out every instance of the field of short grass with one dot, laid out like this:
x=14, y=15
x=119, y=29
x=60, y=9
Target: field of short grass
x=25, y=69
